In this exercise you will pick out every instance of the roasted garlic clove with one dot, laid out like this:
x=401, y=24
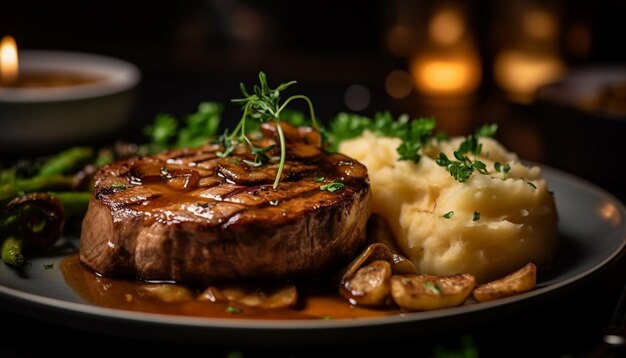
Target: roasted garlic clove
x=262, y=296
x=428, y=292
x=369, y=286
x=166, y=292
x=515, y=283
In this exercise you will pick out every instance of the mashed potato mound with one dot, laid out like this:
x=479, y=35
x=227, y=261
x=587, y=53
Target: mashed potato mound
x=518, y=218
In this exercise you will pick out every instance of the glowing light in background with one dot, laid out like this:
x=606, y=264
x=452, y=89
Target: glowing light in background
x=448, y=64
x=522, y=73
x=530, y=59
x=9, y=68
x=453, y=75
x=398, y=84
x=357, y=97
x=539, y=24
x=446, y=27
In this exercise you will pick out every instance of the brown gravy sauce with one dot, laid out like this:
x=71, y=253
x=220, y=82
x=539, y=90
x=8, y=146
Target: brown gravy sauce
x=316, y=300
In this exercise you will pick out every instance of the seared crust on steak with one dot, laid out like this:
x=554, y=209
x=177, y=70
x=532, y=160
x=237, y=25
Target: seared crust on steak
x=190, y=216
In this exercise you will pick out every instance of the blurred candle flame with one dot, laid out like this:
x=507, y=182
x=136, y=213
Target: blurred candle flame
x=8, y=61
x=521, y=74
x=449, y=64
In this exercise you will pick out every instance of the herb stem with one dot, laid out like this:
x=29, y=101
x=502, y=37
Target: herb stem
x=281, y=139
x=311, y=110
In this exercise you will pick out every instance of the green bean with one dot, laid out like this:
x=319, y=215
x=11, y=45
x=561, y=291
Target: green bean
x=66, y=161
x=12, y=251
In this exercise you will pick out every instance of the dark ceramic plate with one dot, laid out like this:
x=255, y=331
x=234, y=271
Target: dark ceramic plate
x=592, y=226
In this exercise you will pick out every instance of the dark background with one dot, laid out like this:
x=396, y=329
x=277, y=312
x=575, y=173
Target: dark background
x=194, y=51
x=325, y=46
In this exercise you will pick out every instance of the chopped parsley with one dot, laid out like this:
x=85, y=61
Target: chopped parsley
x=233, y=310
x=415, y=134
x=448, y=215
x=118, y=185
x=333, y=186
x=319, y=179
x=432, y=287
x=502, y=168
x=463, y=167
x=48, y=266
x=476, y=216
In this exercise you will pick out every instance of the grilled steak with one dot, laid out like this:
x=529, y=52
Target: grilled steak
x=193, y=217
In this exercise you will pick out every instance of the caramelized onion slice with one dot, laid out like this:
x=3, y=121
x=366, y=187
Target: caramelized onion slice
x=512, y=284
x=262, y=296
x=428, y=292
x=369, y=286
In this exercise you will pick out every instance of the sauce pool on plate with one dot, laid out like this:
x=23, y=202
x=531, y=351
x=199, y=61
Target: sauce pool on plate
x=316, y=299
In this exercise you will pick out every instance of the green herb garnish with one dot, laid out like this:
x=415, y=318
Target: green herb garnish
x=416, y=137
x=415, y=134
x=319, y=179
x=48, y=266
x=333, y=186
x=432, y=287
x=476, y=216
x=260, y=157
x=118, y=185
x=263, y=104
x=233, y=310
x=504, y=169
x=463, y=167
x=448, y=215
x=164, y=133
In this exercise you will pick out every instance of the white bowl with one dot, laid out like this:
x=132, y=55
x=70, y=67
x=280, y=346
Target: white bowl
x=60, y=116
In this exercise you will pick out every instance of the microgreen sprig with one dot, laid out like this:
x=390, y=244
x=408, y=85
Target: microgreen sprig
x=264, y=104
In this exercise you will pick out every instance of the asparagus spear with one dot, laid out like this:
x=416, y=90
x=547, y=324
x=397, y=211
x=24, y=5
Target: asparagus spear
x=66, y=161
x=9, y=191
x=74, y=202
